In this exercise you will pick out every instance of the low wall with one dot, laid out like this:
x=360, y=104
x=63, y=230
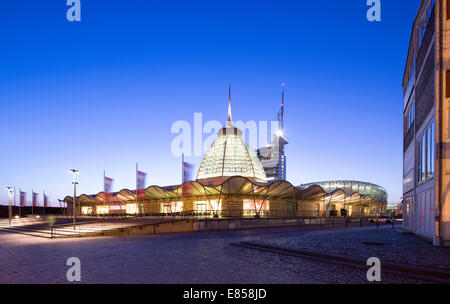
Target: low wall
x=214, y=224
x=176, y=226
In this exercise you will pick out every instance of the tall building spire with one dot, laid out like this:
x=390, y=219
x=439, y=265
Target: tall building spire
x=281, y=112
x=229, y=105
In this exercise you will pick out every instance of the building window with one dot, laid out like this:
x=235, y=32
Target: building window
x=425, y=20
x=409, y=117
x=448, y=9
x=430, y=7
x=425, y=154
x=447, y=83
x=431, y=148
x=420, y=31
x=253, y=207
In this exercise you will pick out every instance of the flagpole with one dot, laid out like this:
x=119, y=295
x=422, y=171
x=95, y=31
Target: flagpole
x=43, y=203
x=137, y=184
x=182, y=177
x=14, y=196
x=32, y=201
x=20, y=202
x=104, y=187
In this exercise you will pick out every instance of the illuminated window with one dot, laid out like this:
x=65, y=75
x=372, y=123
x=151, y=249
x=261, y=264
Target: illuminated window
x=86, y=210
x=102, y=209
x=253, y=207
x=172, y=207
x=131, y=209
x=208, y=206
x=117, y=208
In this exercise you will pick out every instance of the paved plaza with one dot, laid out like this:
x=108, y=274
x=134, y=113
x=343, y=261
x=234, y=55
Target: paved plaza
x=207, y=257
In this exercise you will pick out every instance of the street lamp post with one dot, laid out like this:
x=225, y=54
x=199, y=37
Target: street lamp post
x=10, y=195
x=74, y=209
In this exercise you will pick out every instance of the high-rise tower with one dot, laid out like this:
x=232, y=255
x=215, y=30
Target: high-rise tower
x=272, y=156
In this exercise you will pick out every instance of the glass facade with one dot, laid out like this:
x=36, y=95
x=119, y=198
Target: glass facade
x=131, y=209
x=211, y=205
x=171, y=207
x=86, y=210
x=103, y=209
x=229, y=156
x=253, y=207
x=362, y=188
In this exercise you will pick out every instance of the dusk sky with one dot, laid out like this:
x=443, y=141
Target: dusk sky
x=103, y=93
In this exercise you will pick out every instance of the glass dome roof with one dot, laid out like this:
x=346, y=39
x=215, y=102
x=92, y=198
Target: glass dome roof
x=349, y=186
x=229, y=155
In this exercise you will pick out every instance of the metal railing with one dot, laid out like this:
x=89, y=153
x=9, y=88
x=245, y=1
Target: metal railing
x=101, y=223
x=233, y=213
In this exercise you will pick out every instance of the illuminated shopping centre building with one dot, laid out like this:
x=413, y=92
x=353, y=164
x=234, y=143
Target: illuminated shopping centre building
x=231, y=182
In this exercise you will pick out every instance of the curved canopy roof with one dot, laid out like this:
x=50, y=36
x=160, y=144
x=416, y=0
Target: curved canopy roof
x=236, y=185
x=349, y=186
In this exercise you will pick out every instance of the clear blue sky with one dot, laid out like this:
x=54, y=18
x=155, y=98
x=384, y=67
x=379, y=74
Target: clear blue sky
x=102, y=94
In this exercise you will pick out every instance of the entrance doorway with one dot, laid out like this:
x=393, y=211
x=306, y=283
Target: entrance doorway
x=290, y=209
x=201, y=207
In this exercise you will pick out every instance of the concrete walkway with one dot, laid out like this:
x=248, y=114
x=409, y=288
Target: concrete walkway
x=201, y=257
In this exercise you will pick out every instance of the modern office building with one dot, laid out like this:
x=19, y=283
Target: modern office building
x=272, y=156
x=231, y=182
x=426, y=137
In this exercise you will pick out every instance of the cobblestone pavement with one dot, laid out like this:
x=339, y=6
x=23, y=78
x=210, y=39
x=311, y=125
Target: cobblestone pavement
x=204, y=257
x=384, y=243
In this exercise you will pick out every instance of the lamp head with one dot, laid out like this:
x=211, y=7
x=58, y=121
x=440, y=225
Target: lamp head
x=10, y=191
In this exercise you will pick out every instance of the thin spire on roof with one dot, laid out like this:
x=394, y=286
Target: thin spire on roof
x=281, y=113
x=229, y=103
